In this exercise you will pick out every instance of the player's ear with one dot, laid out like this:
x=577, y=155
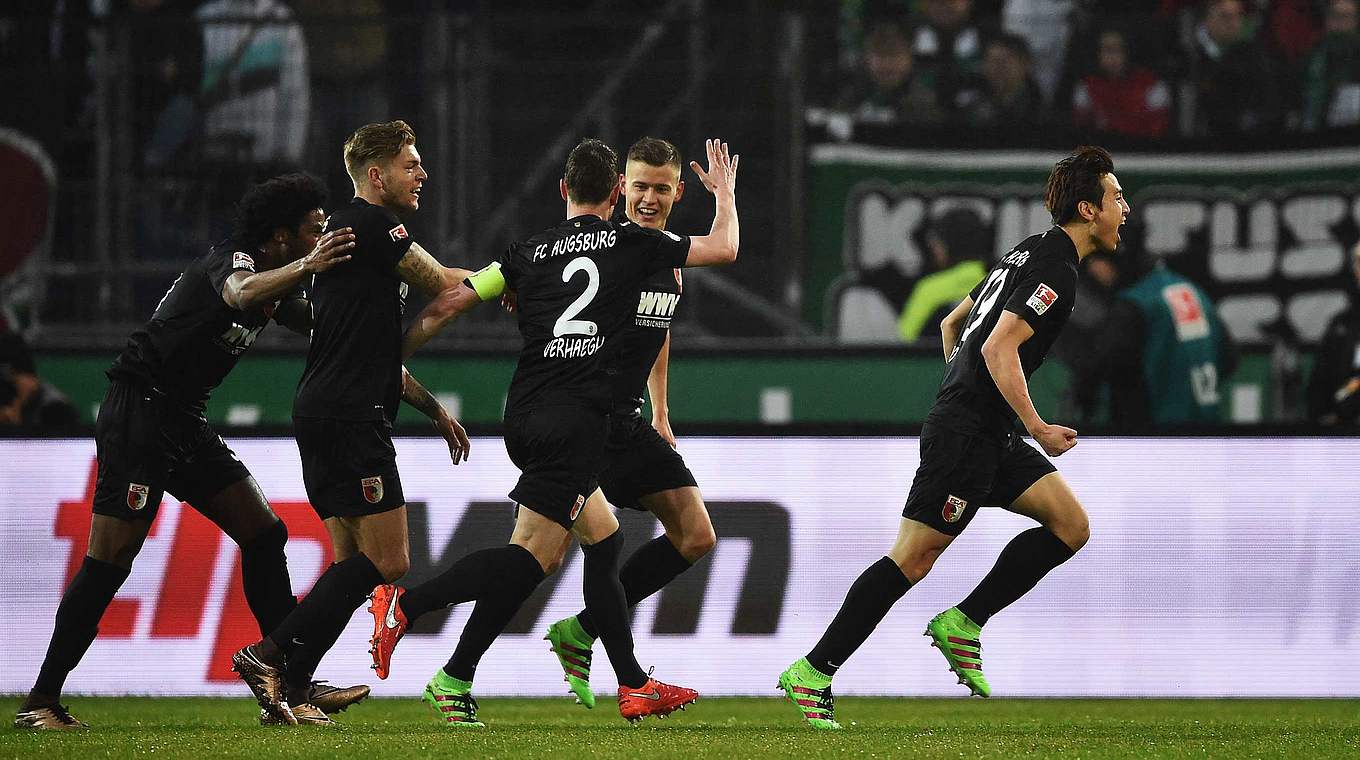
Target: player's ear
x=562, y=188
x=623, y=184
x=614, y=196
x=679, y=191
x=375, y=177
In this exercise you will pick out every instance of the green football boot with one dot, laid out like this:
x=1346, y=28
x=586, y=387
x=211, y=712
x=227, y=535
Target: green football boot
x=810, y=690
x=572, y=645
x=956, y=637
x=452, y=700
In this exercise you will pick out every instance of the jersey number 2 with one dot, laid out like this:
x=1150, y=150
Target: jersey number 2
x=566, y=324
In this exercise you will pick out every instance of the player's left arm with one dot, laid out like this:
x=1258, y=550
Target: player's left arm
x=952, y=325
x=657, y=382
x=415, y=394
x=422, y=271
x=245, y=290
x=482, y=285
x=1001, y=352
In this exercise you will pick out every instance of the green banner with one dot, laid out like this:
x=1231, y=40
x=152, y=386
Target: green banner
x=1264, y=233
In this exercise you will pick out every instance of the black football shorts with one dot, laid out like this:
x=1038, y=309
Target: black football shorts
x=148, y=445
x=349, y=467
x=559, y=451
x=640, y=463
x=960, y=473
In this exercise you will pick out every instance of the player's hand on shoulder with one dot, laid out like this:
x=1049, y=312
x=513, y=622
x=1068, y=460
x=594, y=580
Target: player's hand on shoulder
x=1055, y=439
x=721, y=175
x=332, y=248
x=509, y=301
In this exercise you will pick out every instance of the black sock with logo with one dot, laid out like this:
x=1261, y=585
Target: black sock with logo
x=646, y=572
x=870, y=597
x=509, y=581
x=1025, y=560
x=609, y=610
x=77, y=625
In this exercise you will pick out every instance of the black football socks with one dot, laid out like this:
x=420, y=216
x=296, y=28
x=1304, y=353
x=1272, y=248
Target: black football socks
x=870, y=597
x=264, y=577
x=82, y=605
x=609, y=610
x=311, y=629
x=473, y=576
x=1025, y=560
x=510, y=575
x=646, y=572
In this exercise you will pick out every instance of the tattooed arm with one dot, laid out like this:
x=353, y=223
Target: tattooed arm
x=413, y=393
x=419, y=269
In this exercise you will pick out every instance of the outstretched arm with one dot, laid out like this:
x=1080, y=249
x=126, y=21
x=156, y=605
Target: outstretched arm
x=657, y=382
x=413, y=393
x=720, y=245
x=486, y=284
x=1001, y=352
x=248, y=290
x=422, y=271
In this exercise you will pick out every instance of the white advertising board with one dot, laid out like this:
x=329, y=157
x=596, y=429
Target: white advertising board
x=1217, y=566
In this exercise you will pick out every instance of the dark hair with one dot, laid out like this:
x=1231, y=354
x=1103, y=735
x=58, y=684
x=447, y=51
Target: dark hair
x=281, y=201
x=372, y=142
x=654, y=151
x=1075, y=179
x=592, y=172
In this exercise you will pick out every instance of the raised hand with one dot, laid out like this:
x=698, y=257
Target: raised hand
x=721, y=176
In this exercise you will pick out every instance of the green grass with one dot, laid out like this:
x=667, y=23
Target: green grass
x=385, y=729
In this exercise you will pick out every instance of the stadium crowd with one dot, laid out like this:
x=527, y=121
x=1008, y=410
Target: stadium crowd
x=1133, y=69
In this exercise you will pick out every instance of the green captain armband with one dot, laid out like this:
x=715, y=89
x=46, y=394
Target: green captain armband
x=488, y=281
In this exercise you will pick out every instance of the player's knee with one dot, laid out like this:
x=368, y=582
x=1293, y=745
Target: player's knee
x=1074, y=529
x=392, y=567
x=696, y=544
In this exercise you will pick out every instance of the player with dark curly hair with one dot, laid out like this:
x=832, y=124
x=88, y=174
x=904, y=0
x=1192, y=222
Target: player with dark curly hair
x=971, y=452
x=152, y=436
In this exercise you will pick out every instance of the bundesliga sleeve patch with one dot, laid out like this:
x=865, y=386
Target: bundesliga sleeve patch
x=242, y=260
x=1043, y=297
x=398, y=233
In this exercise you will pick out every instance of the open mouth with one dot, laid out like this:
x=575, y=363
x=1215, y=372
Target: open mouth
x=647, y=213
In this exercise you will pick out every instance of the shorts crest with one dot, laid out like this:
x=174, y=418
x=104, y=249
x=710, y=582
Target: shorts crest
x=373, y=489
x=576, y=508
x=137, y=495
x=953, y=509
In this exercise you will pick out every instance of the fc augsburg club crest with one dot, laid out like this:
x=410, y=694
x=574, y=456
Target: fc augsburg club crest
x=137, y=495
x=953, y=509
x=576, y=508
x=373, y=489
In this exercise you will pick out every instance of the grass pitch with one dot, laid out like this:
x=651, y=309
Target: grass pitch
x=384, y=729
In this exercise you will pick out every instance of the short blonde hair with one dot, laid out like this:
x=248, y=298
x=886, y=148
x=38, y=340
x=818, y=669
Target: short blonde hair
x=374, y=142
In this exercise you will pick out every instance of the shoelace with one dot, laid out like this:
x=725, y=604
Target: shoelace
x=467, y=704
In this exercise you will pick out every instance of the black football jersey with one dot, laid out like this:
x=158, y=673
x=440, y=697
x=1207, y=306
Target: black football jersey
x=1036, y=281
x=577, y=288
x=645, y=333
x=194, y=338
x=354, y=363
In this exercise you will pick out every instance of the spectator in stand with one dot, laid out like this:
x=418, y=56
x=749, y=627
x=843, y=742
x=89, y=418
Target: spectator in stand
x=957, y=243
x=1331, y=85
x=1119, y=98
x=255, y=92
x=25, y=400
x=1046, y=28
x=1236, y=83
x=1005, y=95
x=1334, y=387
x=890, y=90
x=947, y=40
